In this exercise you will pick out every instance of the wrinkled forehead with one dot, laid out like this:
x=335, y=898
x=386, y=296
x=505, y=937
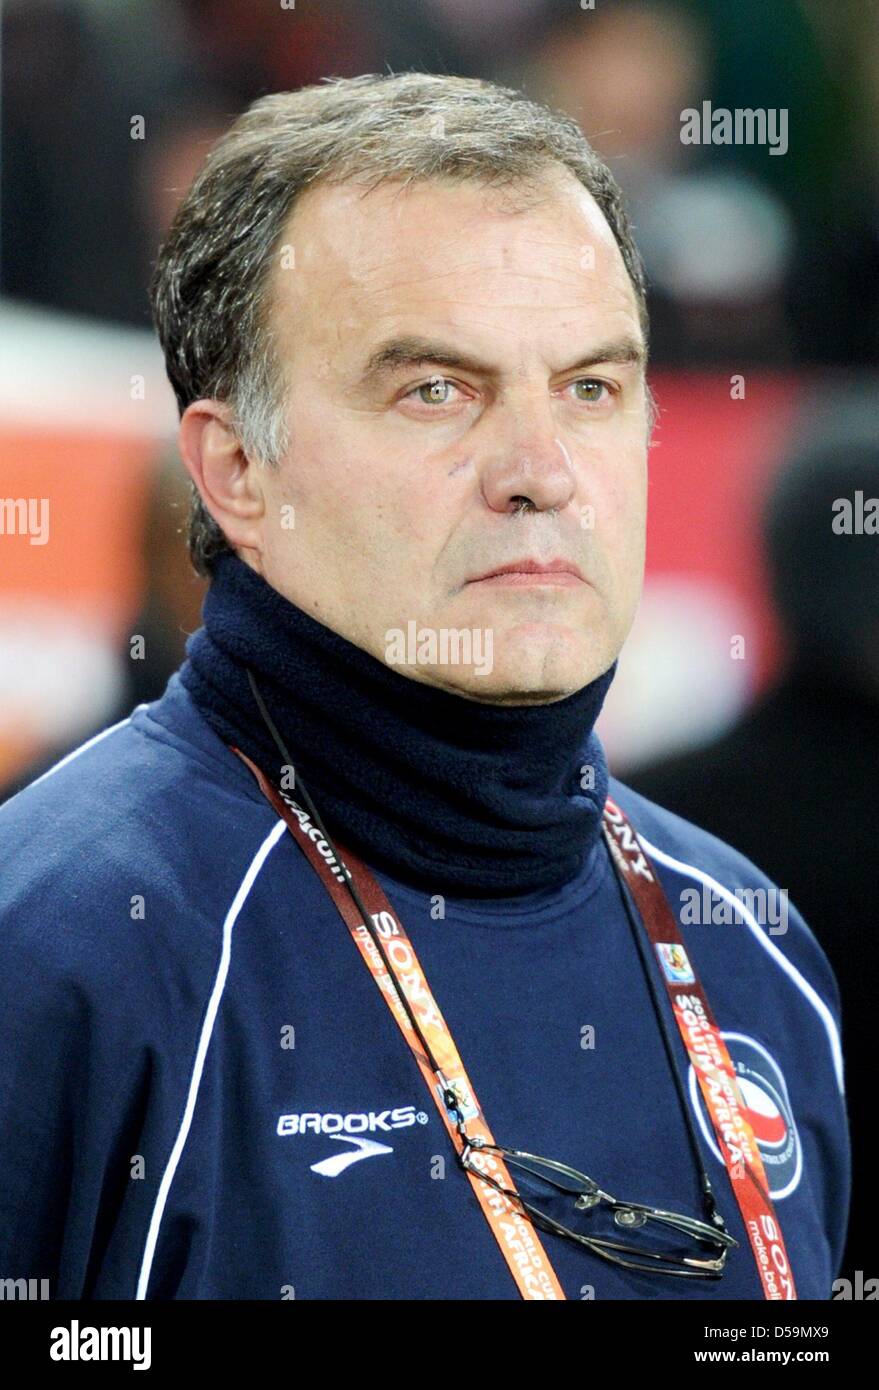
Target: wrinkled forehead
x=352, y=260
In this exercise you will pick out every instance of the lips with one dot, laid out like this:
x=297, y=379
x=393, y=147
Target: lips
x=533, y=571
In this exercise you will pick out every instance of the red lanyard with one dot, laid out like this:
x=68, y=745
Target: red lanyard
x=709, y=1055
x=514, y=1233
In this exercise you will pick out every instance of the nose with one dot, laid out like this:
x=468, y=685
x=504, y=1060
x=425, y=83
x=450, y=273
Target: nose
x=527, y=463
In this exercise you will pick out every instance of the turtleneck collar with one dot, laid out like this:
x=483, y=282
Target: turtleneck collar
x=444, y=793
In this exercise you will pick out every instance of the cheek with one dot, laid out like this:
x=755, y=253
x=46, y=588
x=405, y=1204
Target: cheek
x=620, y=485
x=619, y=497
x=328, y=479
x=415, y=500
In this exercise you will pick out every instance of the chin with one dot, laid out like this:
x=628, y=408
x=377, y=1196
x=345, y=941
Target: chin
x=528, y=669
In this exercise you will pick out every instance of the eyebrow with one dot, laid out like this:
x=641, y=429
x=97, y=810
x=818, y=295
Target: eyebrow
x=412, y=351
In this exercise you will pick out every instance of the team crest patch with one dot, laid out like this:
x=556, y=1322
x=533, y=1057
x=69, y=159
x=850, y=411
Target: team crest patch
x=764, y=1091
x=675, y=963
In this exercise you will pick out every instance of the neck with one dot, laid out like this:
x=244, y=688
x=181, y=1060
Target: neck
x=451, y=795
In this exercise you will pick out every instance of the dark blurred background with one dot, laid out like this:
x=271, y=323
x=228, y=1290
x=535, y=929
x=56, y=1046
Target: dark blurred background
x=747, y=697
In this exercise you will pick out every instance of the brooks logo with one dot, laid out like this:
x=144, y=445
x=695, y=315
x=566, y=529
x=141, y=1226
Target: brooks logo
x=346, y=1129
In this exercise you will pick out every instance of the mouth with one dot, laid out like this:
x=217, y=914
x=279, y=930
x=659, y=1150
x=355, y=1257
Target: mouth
x=530, y=573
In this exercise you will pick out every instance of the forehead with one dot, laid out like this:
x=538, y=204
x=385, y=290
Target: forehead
x=458, y=253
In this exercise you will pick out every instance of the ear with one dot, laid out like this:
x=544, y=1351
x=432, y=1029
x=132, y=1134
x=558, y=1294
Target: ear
x=227, y=480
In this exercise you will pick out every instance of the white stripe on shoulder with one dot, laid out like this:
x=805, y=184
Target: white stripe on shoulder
x=778, y=956
x=90, y=743
x=204, y=1041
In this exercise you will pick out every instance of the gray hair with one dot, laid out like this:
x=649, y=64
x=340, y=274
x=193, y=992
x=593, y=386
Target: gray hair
x=209, y=288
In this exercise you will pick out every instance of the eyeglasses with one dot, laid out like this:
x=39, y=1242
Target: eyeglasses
x=694, y=1263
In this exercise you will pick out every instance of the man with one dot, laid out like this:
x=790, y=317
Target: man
x=313, y=968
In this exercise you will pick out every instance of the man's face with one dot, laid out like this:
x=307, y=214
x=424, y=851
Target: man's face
x=466, y=393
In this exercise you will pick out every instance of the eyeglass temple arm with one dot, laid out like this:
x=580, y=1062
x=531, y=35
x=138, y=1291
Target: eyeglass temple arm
x=584, y=1184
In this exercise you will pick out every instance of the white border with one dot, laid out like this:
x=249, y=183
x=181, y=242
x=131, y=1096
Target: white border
x=203, y=1043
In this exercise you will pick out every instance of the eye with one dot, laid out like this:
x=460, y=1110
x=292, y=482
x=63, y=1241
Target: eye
x=594, y=392
x=436, y=391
